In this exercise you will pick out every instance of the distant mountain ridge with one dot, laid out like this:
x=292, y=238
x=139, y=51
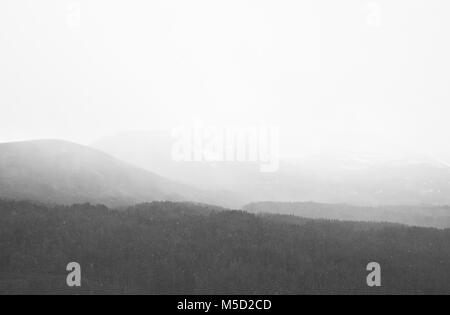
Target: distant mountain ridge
x=61, y=172
x=350, y=176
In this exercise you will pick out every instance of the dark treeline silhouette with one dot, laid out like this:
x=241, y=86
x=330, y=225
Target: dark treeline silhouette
x=426, y=216
x=181, y=248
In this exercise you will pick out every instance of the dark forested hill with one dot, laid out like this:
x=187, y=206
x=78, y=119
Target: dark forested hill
x=176, y=248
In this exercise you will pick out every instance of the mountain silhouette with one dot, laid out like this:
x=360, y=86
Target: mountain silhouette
x=61, y=172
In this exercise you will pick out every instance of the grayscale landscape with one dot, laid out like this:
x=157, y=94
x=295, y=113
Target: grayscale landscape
x=224, y=148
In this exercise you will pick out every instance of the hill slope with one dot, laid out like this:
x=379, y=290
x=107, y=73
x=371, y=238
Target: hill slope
x=426, y=216
x=54, y=171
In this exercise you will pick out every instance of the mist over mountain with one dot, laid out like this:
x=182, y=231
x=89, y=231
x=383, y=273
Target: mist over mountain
x=355, y=177
x=54, y=171
x=152, y=150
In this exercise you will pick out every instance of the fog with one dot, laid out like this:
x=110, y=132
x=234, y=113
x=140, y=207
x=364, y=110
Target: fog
x=369, y=75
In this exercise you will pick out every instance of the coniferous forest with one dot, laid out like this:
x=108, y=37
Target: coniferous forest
x=187, y=248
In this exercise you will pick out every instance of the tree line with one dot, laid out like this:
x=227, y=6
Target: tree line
x=186, y=248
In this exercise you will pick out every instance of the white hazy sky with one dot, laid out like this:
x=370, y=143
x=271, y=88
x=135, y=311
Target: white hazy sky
x=348, y=73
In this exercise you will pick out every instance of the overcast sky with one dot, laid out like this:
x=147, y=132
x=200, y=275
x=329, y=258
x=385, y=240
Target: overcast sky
x=346, y=73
